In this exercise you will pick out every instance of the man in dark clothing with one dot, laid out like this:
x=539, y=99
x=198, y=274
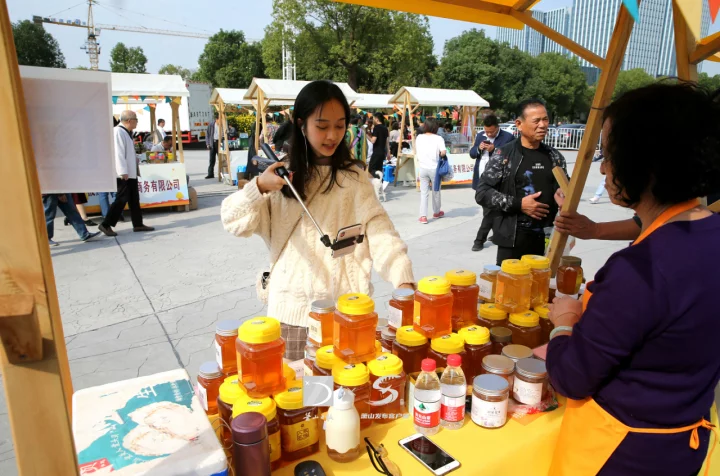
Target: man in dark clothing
x=518, y=185
x=485, y=144
x=212, y=141
x=380, y=140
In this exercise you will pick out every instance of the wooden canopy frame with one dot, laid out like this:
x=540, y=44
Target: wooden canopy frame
x=33, y=356
x=220, y=100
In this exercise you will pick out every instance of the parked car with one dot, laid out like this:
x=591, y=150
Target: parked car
x=510, y=127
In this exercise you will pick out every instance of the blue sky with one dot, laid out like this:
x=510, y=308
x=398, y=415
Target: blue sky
x=250, y=16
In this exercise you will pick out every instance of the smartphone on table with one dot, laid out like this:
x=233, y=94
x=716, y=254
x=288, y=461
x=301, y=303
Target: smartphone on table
x=430, y=455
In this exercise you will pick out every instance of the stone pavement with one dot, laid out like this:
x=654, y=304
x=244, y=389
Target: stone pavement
x=139, y=304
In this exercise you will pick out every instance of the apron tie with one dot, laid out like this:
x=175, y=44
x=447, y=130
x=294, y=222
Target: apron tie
x=695, y=441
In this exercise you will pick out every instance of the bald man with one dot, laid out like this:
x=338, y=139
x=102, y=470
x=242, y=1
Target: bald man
x=126, y=166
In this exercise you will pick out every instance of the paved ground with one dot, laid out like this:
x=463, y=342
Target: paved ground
x=145, y=303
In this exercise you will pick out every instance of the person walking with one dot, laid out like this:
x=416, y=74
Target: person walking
x=395, y=139
x=491, y=138
x=159, y=133
x=598, y=157
x=380, y=141
x=212, y=143
x=64, y=201
x=126, y=166
x=429, y=147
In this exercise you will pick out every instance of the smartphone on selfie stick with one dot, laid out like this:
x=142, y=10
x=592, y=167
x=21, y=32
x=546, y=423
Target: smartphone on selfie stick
x=347, y=238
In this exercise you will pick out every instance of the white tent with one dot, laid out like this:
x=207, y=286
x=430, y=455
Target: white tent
x=150, y=86
x=235, y=97
x=438, y=97
x=374, y=101
x=280, y=92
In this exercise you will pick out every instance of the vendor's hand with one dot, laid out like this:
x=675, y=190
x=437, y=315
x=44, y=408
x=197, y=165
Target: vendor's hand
x=269, y=181
x=574, y=224
x=124, y=176
x=533, y=208
x=559, y=197
x=565, y=311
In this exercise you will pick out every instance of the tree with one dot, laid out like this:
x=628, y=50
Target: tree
x=712, y=83
x=561, y=84
x=176, y=69
x=631, y=79
x=228, y=61
x=35, y=46
x=127, y=60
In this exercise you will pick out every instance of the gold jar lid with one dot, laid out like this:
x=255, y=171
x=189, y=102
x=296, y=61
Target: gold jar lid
x=498, y=364
x=531, y=368
x=516, y=352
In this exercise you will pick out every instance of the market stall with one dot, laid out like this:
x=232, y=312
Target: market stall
x=223, y=99
x=162, y=182
x=409, y=99
x=365, y=105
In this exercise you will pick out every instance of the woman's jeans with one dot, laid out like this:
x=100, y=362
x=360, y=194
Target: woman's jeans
x=105, y=201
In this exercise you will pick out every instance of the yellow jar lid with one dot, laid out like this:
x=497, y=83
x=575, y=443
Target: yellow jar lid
x=536, y=261
x=525, y=319
x=475, y=335
x=350, y=375
x=259, y=330
x=385, y=364
x=266, y=406
x=515, y=266
x=449, y=344
x=292, y=398
x=288, y=373
x=406, y=335
x=232, y=379
x=491, y=312
x=542, y=311
x=231, y=390
x=461, y=277
x=355, y=304
x=325, y=357
x=434, y=285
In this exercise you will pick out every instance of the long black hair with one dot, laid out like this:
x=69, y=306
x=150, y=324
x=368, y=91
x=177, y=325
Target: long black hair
x=302, y=159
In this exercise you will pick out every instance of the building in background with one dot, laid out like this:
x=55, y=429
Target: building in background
x=527, y=39
x=558, y=20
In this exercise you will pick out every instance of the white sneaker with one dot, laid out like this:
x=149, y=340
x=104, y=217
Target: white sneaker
x=594, y=200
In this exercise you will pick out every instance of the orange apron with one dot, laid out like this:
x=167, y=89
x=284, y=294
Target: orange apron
x=589, y=435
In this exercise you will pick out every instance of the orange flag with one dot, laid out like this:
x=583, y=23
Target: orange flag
x=714, y=8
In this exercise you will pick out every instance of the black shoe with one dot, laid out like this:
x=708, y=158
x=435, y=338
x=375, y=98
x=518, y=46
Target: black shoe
x=89, y=222
x=478, y=246
x=66, y=222
x=90, y=236
x=210, y=176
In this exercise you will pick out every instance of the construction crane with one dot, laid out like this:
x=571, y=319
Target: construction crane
x=92, y=46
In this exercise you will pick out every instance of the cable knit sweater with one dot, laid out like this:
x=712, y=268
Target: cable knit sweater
x=306, y=271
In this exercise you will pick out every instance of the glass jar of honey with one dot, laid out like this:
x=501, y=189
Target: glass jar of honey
x=525, y=327
x=225, y=334
x=320, y=323
x=516, y=352
x=411, y=348
x=387, y=388
x=310, y=356
x=499, y=365
x=488, y=282
x=432, y=315
x=356, y=378
x=299, y=425
x=477, y=346
x=354, y=331
x=546, y=325
x=569, y=275
x=266, y=406
x=289, y=374
x=465, y=291
x=208, y=385
x=540, y=272
x=514, y=285
x=401, y=308
x=260, y=352
x=441, y=347
x=489, y=315
x=388, y=337
x=500, y=337
x=531, y=381
x=230, y=391
x=382, y=324
x=490, y=401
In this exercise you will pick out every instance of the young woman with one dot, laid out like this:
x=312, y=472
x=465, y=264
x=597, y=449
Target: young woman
x=395, y=139
x=429, y=147
x=338, y=193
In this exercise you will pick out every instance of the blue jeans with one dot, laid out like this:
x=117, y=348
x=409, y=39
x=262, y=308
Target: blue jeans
x=51, y=203
x=600, y=189
x=105, y=199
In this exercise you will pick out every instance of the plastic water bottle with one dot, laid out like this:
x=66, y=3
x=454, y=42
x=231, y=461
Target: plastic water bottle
x=454, y=388
x=427, y=396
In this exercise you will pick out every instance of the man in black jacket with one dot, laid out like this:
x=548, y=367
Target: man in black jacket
x=518, y=186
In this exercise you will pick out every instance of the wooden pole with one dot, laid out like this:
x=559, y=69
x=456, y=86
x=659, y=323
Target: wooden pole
x=603, y=94
x=258, y=112
x=684, y=45
x=152, y=121
x=706, y=48
x=39, y=393
x=173, y=110
x=181, y=157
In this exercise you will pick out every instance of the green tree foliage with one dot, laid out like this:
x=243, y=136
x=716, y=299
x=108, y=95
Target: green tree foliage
x=228, y=61
x=35, y=46
x=631, y=79
x=176, y=69
x=373, y=50
x=127, y=60
x=561, y=84
x=712, y=83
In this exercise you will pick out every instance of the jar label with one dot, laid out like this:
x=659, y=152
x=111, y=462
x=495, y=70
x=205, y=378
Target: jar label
x=218, y=355
x=275, y=446
x=300, y=435
x=395, y=318
x=489, y=414
x=527, y=393
x=307, y=371
x=485, y=289
x=452, y=409
x=426, y=414
x=202, y=396
x=416, y=313
x=315, y=331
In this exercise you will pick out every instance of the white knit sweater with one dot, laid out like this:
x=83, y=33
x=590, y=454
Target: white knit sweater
x=306, y=271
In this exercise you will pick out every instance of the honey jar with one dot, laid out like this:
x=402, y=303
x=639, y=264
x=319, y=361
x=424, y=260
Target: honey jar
x=388, y=337
x=411, y=348
x=489, y=315
x=432, y=315
x=514, y=284
x=266, y=406
x=401, y=308
x=355, y=377
x=441, y=347
x=500, y=337
x=531, y=381
x=260, y=352
x=569, y=275
x=230, y=391
x=487, y=282
x=499, y=365
x=516, y=352
x=325, y=359
x=299, y=425
x=309, y=357
x=209, y=380
x=477, y=346
x=354, y=332
x=320, y=322
x=490, y=401
x=387, y=388
x=525, y=327
x=546, y=324
x=540, y=272
x=465, y=291
x=225, y=334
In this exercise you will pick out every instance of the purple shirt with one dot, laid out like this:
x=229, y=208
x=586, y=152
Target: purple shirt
x=646, y=348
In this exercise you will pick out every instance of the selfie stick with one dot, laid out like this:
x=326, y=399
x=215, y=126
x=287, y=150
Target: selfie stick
x=283, y=173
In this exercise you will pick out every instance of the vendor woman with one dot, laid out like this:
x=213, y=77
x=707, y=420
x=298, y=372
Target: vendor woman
x=338, y=194
x=639, y=359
